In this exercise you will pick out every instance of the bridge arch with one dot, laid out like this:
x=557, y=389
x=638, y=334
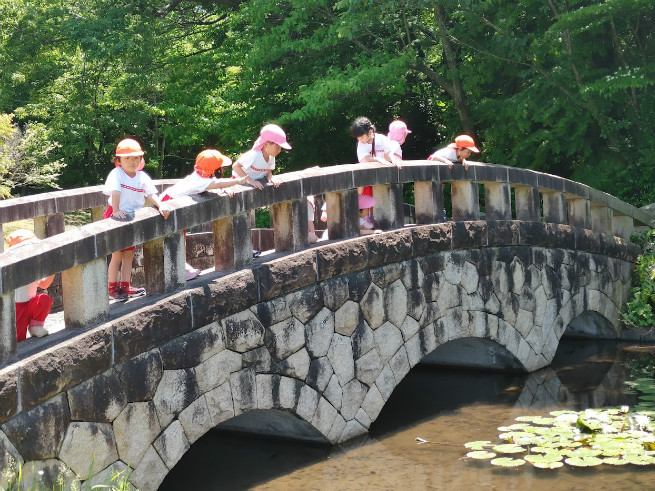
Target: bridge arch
x=325, y=334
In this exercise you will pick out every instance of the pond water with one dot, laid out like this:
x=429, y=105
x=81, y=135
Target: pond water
x=447, y=408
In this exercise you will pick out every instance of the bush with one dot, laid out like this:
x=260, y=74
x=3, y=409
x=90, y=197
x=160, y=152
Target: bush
x=640, y=310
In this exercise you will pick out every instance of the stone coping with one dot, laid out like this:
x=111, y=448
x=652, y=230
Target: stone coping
x=82, y=245
x=82, y=353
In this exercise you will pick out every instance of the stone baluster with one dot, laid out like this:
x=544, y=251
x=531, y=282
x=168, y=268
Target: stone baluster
x=84, y=287
x=497, y=201
x=2, y=242
x=579, y=212
x=342, y=214
x=428, y=200
x=466, y=200
x=163, y=263
x=97, y=212
x=601, y=219
x=290, y=226
x=527, y=203
x=388, y=210
x=555, y=207
x=7, y=327
x=623, y=226
x=49, y=225
x=232, y=242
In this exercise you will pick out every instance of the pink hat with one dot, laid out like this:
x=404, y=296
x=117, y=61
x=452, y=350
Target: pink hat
x=397, y=129
x=271, y=133
x=464, y=141
x=366, y=201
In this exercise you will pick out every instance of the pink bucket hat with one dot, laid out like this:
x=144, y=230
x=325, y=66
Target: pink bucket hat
x=271, y=133
x=365, y=201
x=397, y=129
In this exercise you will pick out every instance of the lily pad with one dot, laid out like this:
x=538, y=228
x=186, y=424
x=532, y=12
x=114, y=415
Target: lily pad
x=508, y=448
x=508, y=462
x=479, y=445
x=615, y=461
x=583, y=461
x=481, y=455
x=543, y=459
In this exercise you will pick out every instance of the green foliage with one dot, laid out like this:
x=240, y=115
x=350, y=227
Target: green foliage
x=640, y=309
x=25, y=163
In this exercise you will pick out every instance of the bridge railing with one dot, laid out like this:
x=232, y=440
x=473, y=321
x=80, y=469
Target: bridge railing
x=80, y=254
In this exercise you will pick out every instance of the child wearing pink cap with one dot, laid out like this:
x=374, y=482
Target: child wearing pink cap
x=456, y=152
x=206, y=175
x=32, y=308
x=398, y=132
x=257, y=164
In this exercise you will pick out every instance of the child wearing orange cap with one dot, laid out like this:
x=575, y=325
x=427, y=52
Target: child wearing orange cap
x=258, y=163
x=127, y=186
x=456, y=152
x=32, y=308
x=209, y=163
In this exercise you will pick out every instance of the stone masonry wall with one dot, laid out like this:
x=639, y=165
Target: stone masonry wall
x=325, y=334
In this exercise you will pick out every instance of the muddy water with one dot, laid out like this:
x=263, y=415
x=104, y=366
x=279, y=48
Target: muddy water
x=447, y=408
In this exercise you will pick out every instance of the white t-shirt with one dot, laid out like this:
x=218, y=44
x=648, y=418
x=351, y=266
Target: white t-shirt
x=382, y=145
x=133, y=189
x=397, y=149
x=190, y=185
x=254, y=164
x=25, y=293
x=447, y=153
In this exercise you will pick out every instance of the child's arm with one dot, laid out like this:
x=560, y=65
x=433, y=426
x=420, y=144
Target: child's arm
x=226, y=183
x=116, y=205
x=163, y=209
x=237, y=168
x=269, y=178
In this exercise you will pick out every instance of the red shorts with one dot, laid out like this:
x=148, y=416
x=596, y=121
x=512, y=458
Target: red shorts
x=36, y=309
x=108, y=213
x=368, y=191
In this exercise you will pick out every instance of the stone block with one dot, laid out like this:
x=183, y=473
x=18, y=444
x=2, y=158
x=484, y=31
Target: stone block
x=176, y=391
x=372, y=306
x=307, y=403
x=99, y=399
x=324, y=417
x=296, y=365
x=335, y=292
x=388, y=339
x=8, y=392
x=220, y=403
x=318, y=333
x=193, y=348
x=88, y=446
x=135, y=429
x=383, y=276
x=347, y=318
x=320, y=373
x=395, y=303
x=340, y=355
x=196, y=419
x=386, y=382
x=243, y=332
x=244, y=391
x=172, y=444
x=373, y=403
x=390, y=248
x=306, y=303
x=353, y=396
x=141, y=375
x=49, y=420
x=342, y=258
x=291, y=273
x=272, y=312
x=285, y=338
x=368, y=367
x=362, y=339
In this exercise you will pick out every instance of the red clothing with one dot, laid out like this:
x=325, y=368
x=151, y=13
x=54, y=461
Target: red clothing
x=36, y=309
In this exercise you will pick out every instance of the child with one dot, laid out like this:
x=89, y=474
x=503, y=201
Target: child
x=372, y=147
x=456, y=152
x=257, y=164
x=31, y=308
x=127, y=187
x=208, y=163
x=398, y=132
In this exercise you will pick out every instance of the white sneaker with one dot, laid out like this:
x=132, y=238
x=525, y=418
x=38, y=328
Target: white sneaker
x=38, y=331
x=191, y=272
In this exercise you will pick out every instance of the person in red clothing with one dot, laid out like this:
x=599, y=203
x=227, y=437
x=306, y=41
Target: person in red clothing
x=32, y=308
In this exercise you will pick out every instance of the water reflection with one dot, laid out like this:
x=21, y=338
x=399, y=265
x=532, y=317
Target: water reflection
x=447, y=408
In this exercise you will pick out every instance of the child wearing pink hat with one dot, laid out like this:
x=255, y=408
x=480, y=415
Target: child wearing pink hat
x=32, y=308
x=398, y=132
x=206, y=175
x=456, y=152
x=257, y=164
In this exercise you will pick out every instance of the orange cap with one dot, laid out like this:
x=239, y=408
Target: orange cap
x=128, y=148
x=21, y=236
x=465, y=141
x=209, y=160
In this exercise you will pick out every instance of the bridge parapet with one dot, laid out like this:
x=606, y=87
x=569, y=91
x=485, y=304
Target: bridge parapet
x=80, y=254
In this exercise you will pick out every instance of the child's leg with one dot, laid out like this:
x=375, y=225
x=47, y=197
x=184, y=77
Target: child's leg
x=114, y=266
x=22, y=320
x=126, y=265
x=39, y=309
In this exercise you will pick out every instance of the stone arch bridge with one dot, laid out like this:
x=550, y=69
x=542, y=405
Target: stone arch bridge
x=306, y=341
